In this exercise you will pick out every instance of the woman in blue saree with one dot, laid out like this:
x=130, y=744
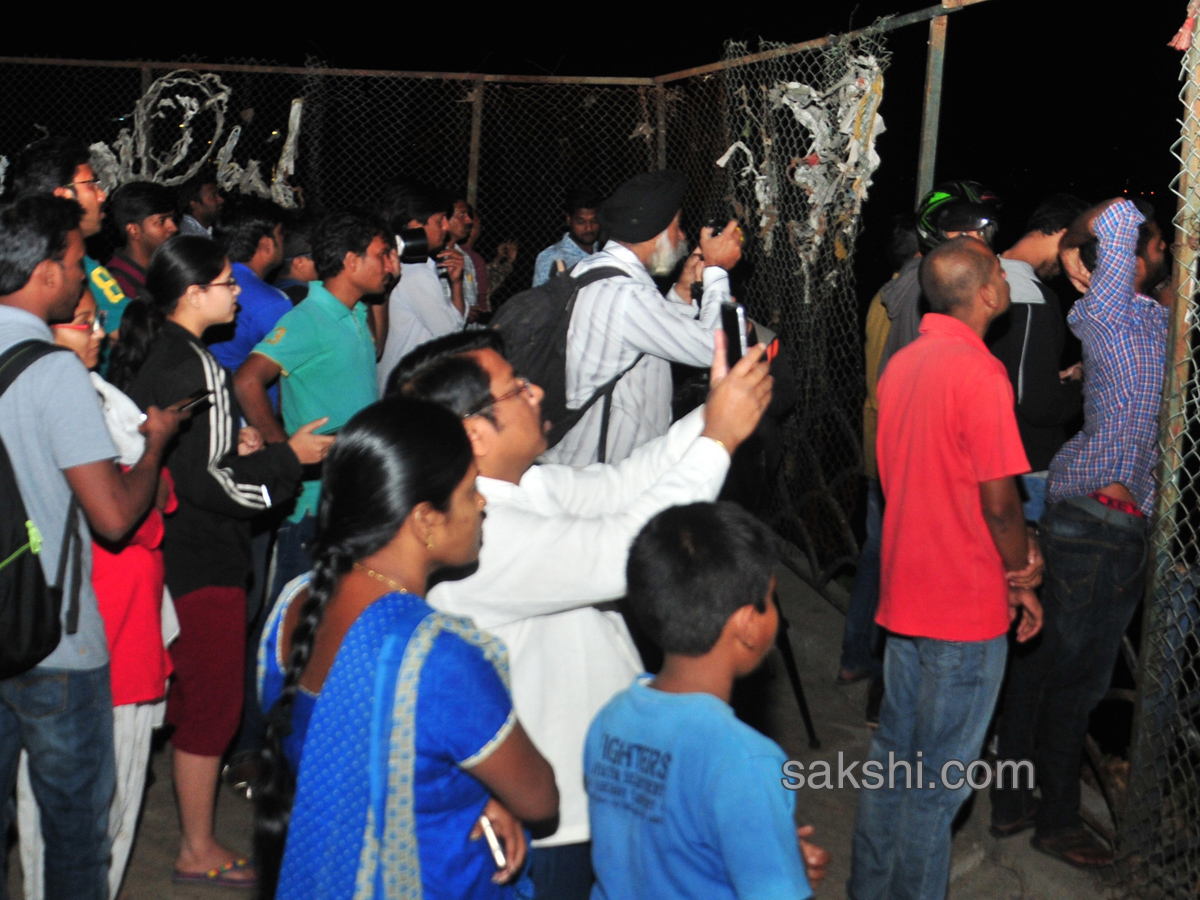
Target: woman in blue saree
x=396, y=718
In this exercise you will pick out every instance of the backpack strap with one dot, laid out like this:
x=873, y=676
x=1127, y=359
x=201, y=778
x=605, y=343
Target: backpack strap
x=605, y=390
x=13, y=362
x=19, y=357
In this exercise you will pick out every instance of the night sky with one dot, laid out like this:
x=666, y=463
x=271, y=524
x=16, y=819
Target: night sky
x=1039, y=96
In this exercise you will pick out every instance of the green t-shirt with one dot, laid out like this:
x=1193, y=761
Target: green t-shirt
x=327, y=360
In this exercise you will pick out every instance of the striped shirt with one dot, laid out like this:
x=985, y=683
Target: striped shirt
x=1124, y=336
x=614, y=320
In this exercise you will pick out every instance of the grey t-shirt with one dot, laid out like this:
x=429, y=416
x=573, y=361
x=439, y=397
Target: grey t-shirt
x=51, y=420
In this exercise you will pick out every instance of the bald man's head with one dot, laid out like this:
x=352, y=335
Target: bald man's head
x=954, y=273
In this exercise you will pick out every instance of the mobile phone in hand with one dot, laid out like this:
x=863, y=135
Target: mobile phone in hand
x=192, y=400
x=733, y=322
x=493, y=842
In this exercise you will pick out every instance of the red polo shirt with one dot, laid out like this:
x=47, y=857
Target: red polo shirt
x=946, y=424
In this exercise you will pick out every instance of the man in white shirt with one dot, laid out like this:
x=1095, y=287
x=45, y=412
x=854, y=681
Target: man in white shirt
x=419, y=309
x=555, y=542
x=617, y=318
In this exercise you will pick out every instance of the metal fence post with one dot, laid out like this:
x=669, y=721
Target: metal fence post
x=476, y=136
x=660, y=102
x=934, y=69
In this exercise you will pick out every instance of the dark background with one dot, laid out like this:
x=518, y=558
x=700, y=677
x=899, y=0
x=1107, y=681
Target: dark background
x=1039, y=96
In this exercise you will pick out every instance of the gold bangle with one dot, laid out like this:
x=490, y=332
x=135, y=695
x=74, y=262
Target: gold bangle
x=721, y=443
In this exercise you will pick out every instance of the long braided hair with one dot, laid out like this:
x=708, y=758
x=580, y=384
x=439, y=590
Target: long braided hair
x=388, y=458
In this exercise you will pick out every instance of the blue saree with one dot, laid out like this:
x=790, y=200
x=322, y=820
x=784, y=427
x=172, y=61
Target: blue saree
x=383, y=805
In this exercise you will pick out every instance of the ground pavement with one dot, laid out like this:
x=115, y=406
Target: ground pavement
x=983, y=868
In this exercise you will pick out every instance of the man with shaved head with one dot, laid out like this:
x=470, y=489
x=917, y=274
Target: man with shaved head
x=957, y=569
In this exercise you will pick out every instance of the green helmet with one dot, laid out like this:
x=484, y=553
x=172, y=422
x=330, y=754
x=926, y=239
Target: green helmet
x=957, y=206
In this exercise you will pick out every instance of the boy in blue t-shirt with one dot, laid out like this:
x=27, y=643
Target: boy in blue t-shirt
x=684, y=799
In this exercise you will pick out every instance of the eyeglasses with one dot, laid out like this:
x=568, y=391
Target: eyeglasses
x=523, y=387
x=91, y=181
x=230, y=283
x=96, y=324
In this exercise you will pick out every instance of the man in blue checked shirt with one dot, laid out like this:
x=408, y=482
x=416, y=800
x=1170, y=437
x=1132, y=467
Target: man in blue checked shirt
x=1099, y=495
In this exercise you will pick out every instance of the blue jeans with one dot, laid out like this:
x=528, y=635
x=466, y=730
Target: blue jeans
x=63, y=717
x=1033, y=495
x=563, y=872
x=862, y=636
x=1095, y=575
x=938, y=701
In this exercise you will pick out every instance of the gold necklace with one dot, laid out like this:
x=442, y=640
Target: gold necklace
x=378, y=576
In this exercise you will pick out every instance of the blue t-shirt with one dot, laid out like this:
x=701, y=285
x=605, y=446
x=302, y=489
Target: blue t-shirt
x=566, y=249
x=686, y=801
x=260, y=307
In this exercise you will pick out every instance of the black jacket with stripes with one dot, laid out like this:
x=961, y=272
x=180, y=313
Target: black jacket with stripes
x=207, y=540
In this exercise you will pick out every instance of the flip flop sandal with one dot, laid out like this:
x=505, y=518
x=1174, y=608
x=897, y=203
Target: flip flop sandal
x=220, y=875
x=1075, y=848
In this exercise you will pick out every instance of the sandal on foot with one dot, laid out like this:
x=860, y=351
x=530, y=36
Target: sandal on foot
x=1016, y=827
x=220, y=876
x=1075, y=848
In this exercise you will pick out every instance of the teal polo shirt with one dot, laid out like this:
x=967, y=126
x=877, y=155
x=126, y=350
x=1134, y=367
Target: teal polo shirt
x=327, y=360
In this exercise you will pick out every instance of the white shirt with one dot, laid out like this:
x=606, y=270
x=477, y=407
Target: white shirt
x=614, y=320
x=554, y=546
x=418, y=311
x=470, y=284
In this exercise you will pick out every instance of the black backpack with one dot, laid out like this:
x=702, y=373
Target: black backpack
x=534, y=326
x=30, y=610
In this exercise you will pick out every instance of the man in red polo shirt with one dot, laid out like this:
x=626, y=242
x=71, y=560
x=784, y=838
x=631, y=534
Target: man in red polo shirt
x=957, y=568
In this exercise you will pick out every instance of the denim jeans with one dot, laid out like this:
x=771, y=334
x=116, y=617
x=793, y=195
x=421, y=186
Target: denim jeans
x=1033, y=495
x=292, y=558
x=1095, y=574
x=938, y=701
x=63, y=717
x=563, y=872
x=862, y=637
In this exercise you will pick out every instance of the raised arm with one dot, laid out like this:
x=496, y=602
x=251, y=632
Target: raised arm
x=1113, y=282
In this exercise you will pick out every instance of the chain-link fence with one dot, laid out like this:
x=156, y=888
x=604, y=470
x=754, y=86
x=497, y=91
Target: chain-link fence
x=783, y=139
x=1159, y=827
x=792, y=136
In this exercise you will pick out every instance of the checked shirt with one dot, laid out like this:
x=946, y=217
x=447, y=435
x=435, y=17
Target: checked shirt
x=1124, y=336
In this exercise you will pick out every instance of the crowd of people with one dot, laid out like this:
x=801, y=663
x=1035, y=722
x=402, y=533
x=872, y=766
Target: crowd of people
x=992, y=460
x=326, y=540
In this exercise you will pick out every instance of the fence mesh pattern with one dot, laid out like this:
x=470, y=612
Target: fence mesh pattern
x=793, y=142
x=1159, y=826
x=785, y=144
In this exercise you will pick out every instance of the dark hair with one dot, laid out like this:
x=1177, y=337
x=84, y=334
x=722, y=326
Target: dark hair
x=441, y=372
x=182, y=260
x=189, y=192
x=346, y=231
x=952, y=272
x=135, y=201
x=902, y=243
x=582, y=198
x=1089, y=249
x=45, y=165
x=388, y=458
x=409, y=201
x=1055, y=213
x=245, y=221
x=32, y=230
x=692, y=567
x=1149, y=227
x=298, y=235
